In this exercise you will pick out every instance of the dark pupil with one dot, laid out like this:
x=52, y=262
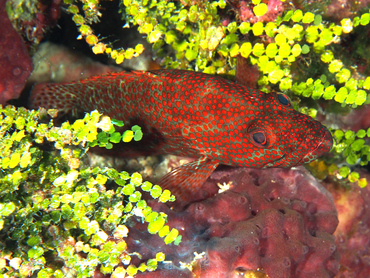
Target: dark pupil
x=259, y=138
x=283, y=99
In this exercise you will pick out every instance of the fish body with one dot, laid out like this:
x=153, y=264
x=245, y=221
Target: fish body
x=196, y=115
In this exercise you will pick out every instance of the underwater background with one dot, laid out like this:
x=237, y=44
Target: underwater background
x=68, y=208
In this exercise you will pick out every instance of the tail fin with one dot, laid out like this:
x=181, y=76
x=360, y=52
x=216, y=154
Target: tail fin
x=54, y=96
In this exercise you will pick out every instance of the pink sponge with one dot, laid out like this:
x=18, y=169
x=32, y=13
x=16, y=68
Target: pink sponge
x=16, y=64
x=275, y=221
x=353, y=232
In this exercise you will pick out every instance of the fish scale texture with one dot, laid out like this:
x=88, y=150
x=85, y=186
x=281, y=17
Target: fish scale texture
x=279, y=221
x=195, y=115
x=16, y=64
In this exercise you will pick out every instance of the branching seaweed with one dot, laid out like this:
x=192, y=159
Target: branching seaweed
x=52, y=207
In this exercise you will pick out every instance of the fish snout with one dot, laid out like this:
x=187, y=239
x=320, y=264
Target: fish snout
x=324, y=139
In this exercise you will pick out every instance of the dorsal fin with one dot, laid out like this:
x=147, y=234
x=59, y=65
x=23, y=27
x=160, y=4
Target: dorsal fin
x=65, y=96
x=147, y=74
x=54, y=96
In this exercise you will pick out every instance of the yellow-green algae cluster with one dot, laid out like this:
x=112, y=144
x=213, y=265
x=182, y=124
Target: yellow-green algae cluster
x=299, y=53
x=60, y=218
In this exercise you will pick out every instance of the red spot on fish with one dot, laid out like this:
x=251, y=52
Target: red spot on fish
x=185, y=113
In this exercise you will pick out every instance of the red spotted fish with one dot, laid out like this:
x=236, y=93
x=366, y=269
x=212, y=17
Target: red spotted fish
x=196, y=115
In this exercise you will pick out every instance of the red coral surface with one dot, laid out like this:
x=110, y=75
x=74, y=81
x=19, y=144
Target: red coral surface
x=274, y=9
x=276, y=220
x=15, y=61
x=47, y=16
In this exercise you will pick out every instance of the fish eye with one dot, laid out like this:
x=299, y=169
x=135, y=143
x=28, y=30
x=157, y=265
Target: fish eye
x=283, y=99
x=259, y=138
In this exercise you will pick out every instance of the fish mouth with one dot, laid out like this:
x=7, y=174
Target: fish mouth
x=324, y=146
x=317, y=142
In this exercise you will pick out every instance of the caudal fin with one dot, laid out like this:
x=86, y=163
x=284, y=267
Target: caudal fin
x=54, y=96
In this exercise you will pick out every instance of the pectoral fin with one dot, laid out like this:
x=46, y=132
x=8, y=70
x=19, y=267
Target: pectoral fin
x=185, y=182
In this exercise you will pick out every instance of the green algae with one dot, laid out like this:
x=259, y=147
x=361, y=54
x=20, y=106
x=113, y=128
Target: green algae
x=53, y=207
x=58, y=193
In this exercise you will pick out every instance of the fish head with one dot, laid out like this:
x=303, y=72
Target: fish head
x=241, y=126
x=270, y=133
x=280, y=136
